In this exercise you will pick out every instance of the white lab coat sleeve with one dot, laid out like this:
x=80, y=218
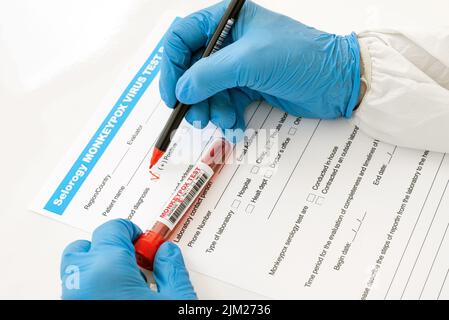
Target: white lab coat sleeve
x=406, y=75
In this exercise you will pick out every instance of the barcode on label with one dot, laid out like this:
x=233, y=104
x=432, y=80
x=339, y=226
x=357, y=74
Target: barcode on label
x=202, y=179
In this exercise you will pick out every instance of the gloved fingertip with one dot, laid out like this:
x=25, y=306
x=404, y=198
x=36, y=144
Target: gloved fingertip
x=184, y=91
x=77, y=246
x=195, y=122
x=116, y=232
x=224, y=120
x=194, y=87
x=233, y=135
x=169, y=250
x=170, y=273
x=133, y=229
x=237, y=133
x=167, y=95
x=198, y=115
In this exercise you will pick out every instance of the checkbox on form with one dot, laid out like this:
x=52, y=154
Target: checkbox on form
x=311, y=198
x=268, y=174
x=249, y=208
x=319, y=201
x=292, y=131
x=255, y=170
x=235, y=204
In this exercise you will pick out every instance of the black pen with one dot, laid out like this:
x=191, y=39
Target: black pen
x=180, y=110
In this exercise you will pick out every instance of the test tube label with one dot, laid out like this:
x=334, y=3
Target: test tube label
x=185, y=194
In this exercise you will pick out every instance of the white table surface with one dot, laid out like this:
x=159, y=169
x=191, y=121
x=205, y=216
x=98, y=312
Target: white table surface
x=57, y=55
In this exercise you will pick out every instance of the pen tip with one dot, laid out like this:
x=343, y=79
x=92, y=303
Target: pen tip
x=157, y=154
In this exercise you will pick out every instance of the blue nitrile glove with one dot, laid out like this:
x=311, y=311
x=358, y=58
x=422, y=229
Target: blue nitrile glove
x=106, y=268
x=301, y=70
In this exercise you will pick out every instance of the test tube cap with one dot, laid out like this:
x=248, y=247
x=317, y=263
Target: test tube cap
x=146, y=247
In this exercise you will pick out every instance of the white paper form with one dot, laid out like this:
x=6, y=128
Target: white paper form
x=105, y=174
x=342, y=216
x=310, y=208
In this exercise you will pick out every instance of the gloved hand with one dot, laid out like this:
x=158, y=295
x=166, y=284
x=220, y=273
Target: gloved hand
x=270, y=57
x=106, y=268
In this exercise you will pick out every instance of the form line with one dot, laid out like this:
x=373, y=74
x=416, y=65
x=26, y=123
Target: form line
x=360, y=226
x=152, y=112
x=424, y=241
x=140, y=164
x=392, y=154
x=441, y=242
x=146, y=122
x=442, y=286
x=414, y=227
x=118, y=164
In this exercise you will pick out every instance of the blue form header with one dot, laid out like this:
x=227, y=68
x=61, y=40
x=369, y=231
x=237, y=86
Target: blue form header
x=85, y=163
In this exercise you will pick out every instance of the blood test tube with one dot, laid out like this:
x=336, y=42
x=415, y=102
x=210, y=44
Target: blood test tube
x=182, y=201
